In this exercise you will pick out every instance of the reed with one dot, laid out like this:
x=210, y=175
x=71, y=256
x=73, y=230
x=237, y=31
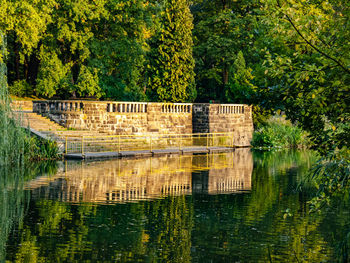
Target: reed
x=12, y=137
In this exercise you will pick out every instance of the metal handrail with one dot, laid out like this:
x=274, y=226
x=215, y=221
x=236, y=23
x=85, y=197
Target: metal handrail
x=149, y=142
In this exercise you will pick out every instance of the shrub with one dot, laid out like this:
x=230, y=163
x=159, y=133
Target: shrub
x=279, y=133
x=39, y=149
x=21, y=88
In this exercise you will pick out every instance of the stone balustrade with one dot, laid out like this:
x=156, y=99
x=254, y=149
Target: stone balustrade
x=127, y=107
x=177, y=108
x=231, y=109
x=144, y=118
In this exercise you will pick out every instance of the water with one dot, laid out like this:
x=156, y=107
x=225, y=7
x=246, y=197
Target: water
x=230, y=207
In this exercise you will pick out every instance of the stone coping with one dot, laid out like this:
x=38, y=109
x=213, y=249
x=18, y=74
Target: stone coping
x=133, y=102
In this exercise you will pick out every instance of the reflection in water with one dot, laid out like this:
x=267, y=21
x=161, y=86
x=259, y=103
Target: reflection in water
x=11, y=204
x=66, y=218
x=13, y=198
x=125, y=180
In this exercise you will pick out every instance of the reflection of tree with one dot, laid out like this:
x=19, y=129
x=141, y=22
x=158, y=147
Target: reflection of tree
x=247, y=227
x=13, y=198
x=59, y=231
x=270, y=178
x=11, y=204
x=169, y=226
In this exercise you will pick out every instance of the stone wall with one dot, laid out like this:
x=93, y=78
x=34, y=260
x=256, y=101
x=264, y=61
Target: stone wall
x=235, y=118
x=119, y=117
x=146, y=118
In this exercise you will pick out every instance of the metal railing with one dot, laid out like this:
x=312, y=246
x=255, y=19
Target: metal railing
x=120, y=143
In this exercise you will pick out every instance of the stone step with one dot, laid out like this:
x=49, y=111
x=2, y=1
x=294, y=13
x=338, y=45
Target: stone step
x=53, y=130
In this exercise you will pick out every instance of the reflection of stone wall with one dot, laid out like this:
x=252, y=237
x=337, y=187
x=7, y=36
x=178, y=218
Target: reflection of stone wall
x=135, y=179
x=226, y=173
x=118, y=180
x=233, y=179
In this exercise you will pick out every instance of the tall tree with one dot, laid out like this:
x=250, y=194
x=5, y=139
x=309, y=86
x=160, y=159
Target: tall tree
x=222, y=29
x=239, y=87
x=78, y=48
x=119, y=48
x=171, y=64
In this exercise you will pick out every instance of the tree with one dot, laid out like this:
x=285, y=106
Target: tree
x=239, y=88
x=171, y=64
x=78, y=48
x=313, y=68
x=222, y=29
x=119, y=48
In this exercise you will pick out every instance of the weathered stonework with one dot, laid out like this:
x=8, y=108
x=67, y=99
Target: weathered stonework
x=147, y=118
x=211, y=118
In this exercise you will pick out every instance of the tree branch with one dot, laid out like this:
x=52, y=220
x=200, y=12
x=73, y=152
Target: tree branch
x=313, y=46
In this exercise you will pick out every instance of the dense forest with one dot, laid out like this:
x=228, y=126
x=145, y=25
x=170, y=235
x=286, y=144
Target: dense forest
x=276, y=54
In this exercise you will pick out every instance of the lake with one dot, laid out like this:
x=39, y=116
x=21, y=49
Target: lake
x=241, y=206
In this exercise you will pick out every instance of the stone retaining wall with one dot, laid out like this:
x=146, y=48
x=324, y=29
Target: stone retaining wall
x=145, y=118
x=236, y=118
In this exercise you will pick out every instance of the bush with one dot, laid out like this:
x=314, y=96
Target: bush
x=39, y=149
x=21, y=88
x=279, y=133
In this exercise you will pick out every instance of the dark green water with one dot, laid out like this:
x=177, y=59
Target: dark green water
x=229, y=207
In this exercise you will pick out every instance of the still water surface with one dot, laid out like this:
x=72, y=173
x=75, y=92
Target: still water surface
x=229, y=207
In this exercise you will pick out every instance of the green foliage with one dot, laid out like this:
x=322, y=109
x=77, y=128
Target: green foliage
x=79, y=48
x=52, y=76
x=12, y=137
x=313, y=69
x=21, y=88
x=39, y=149
x=119, y=48
x=88, y=82
x=239, y=88
x=261, y=116
x=171, y=64
x=16, y=145
x=278, y=133
x=222, y=29
x=332, y=175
